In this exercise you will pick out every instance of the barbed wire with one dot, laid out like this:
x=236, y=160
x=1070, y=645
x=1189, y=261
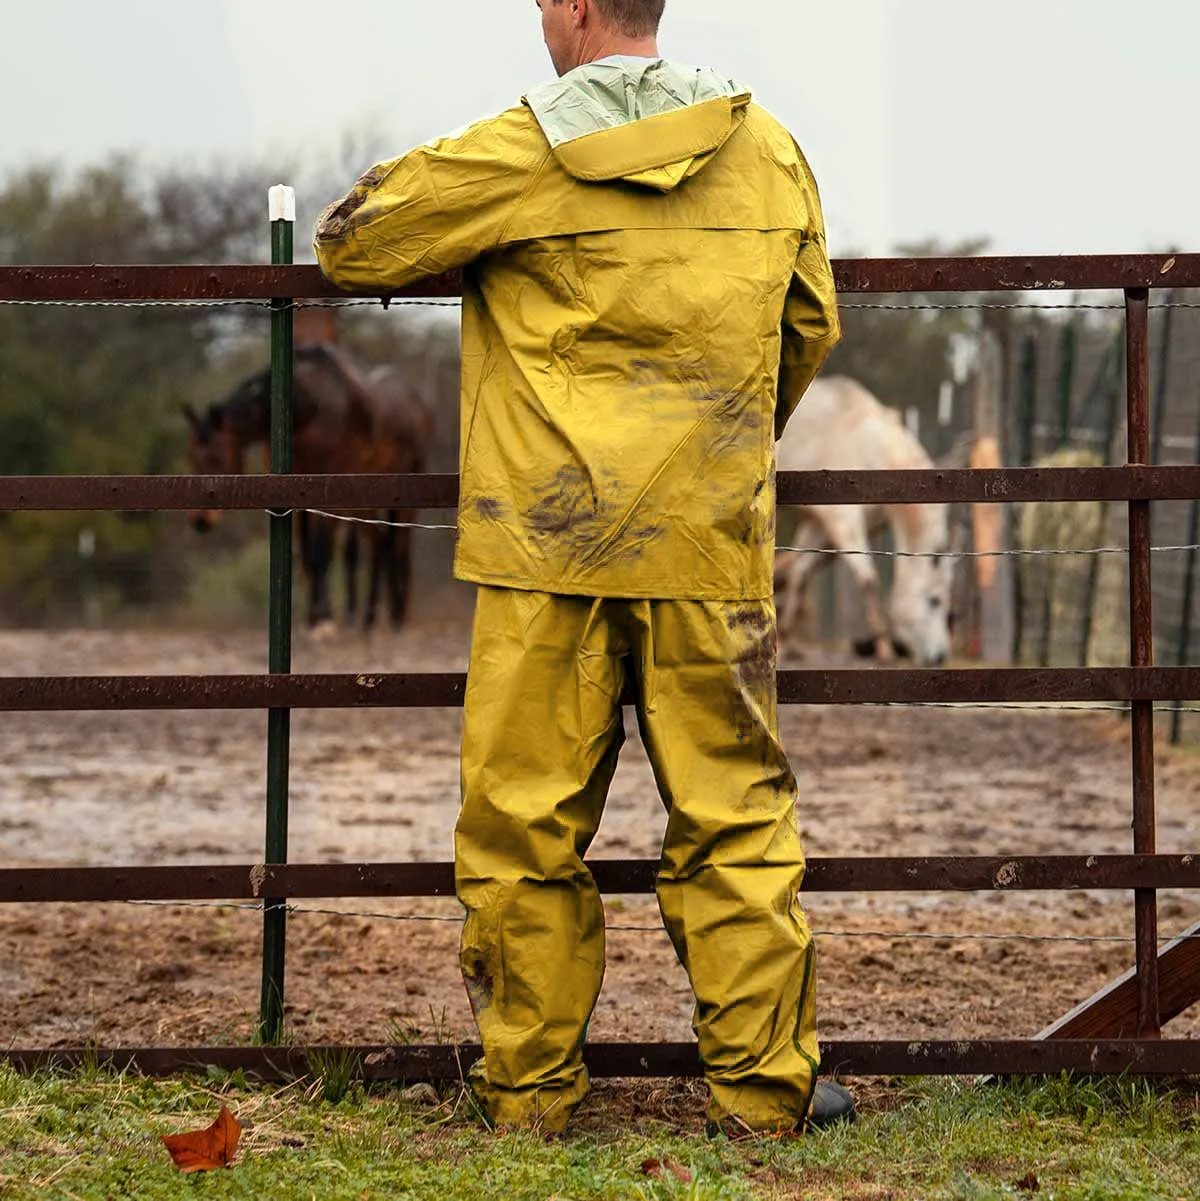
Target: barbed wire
x=1021, y=307
x=966, y=306
x=429, y=302
x=977, y=554
x=139, y=304
x=633, y=928
x=1020, y=552
x=1020, y=706
x=265, y=305
x=456, y=302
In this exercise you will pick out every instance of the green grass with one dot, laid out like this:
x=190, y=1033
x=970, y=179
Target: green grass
x=94, y=1134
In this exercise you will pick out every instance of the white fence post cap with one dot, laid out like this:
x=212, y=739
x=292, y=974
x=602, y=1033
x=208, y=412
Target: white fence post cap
x=281, y=200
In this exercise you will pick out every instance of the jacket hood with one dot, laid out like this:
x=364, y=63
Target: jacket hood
x=641, y=120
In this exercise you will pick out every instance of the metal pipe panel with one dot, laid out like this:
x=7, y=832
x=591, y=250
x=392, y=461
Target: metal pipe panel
x=293, y=881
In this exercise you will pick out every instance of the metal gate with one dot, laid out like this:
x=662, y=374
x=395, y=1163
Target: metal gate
x=1119, y=1032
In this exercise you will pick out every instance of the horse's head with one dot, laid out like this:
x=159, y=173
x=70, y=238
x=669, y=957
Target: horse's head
x=216, y=441
x=919, y=605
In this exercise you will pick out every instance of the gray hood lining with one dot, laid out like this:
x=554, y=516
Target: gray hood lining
x=619, y=90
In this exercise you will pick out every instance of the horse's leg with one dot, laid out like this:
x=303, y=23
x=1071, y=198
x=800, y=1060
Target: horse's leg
x=350, y=567
x=847, y=529
x=791, y=598
x=320, y=559
x=793, y=568
x=375, y=578
x=304, y=537
x=399, y=565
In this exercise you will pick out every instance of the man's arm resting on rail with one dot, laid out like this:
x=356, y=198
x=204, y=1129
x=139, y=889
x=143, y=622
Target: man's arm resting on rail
x=438, y=207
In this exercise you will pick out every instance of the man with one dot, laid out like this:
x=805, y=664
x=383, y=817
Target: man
x=646, y=296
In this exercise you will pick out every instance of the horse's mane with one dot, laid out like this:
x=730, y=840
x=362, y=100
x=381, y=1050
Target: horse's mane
x=337, y=358
x=248, y=406
x=254, y=391
x=240, y=401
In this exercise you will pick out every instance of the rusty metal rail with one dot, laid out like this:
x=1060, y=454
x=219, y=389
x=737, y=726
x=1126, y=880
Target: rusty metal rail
x=837, y=686
x=1150, y=1057
x=1058, y=273
x=231, y=882
x=1139, y=685
x=961, y=485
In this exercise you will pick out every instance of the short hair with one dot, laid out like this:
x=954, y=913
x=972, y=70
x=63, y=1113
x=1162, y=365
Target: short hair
x=633, y=18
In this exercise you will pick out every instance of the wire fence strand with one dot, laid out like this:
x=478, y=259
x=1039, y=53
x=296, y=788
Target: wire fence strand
x=374, y=521
x=638, y=928
x=1017, y=552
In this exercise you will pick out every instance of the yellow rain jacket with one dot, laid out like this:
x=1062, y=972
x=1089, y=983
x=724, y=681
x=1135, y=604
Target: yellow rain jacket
x=643, y=249
x=622, y=343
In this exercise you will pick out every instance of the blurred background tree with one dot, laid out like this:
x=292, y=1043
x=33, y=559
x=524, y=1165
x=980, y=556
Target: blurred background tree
x=97, y=389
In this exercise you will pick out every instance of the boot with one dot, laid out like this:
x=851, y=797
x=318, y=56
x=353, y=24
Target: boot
x=831, y=1104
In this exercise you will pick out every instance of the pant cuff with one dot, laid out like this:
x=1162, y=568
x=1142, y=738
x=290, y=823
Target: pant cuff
x=545, y=1107
x=741, y=1108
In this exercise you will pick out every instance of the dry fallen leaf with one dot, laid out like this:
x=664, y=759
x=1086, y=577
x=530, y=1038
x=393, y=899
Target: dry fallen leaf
x=204, y=1150
x=654, y=1167
x=677, y=1170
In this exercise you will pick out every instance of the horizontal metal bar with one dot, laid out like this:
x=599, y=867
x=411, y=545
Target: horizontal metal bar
x=227, y=882
x=242, y=882
x=422, y=690
x=993, y=486
x=849, y=686
x=83, y=693
x=1055, y=273
x=191, y=492
x=449, y=1062
x=1001, y=873
x=153, y=492
x=242, y=281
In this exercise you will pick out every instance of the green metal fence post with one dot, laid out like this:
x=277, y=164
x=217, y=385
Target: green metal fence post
x=270, y=1022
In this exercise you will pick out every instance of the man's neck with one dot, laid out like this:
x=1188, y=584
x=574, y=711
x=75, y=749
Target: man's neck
x=605, y=46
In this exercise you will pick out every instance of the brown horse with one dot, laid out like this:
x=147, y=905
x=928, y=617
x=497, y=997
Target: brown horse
x=344, y=421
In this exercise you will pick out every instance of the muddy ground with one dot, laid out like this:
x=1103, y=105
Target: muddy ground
x=177, y=788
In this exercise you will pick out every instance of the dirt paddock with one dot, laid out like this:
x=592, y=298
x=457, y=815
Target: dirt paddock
x=179, y=788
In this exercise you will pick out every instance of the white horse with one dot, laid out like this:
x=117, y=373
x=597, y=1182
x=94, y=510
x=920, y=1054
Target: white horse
x=840, y=426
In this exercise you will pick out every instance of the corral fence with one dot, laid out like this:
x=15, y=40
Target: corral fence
x=1064, y=383
x=1118, y=1031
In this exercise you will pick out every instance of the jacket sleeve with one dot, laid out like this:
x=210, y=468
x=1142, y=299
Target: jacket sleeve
x=811, y=328
x=438, y=207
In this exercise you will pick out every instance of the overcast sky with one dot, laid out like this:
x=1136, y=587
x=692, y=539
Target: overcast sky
x=1050, y=126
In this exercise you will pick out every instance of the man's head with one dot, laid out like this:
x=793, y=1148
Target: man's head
x=581, y=31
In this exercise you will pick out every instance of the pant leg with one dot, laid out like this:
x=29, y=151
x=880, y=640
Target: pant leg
x=732, y=862
x=541, y=732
